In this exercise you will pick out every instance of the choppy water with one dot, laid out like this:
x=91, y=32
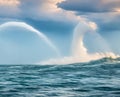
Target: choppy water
x=95, y=79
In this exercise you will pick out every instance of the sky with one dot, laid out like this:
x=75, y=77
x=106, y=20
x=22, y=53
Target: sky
x=56, y=19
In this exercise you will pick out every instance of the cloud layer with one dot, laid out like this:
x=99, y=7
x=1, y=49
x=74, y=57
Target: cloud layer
x=36, y=10
x=105, y=13
x=9, y=8
x=91, y=5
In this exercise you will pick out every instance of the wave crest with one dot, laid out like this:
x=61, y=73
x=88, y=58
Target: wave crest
x=78, y=59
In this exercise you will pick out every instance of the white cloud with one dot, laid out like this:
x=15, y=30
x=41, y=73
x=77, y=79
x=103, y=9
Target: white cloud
x=9, y=8
x=9, y=2
x=38, y=10
x=47, y=9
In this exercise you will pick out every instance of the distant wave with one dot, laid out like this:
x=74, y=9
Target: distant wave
x=73, y=60
x=109, y=60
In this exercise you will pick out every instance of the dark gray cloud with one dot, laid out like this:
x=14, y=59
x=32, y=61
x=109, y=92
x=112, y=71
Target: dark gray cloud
x=106, y=22
x=90, y=5
x=102, y=12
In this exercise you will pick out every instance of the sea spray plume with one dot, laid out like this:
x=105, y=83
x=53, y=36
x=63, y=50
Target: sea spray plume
x=28, y=27
x=77, y=43
x=77, y=59
x=79, y=51
x=78, y=48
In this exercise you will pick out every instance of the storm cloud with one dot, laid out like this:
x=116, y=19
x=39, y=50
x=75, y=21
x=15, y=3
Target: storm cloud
x=92, y=6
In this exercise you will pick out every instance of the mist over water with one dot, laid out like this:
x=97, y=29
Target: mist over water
x=79, y=51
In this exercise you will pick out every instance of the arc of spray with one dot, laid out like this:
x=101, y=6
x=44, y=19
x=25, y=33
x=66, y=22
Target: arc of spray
x=40, y=34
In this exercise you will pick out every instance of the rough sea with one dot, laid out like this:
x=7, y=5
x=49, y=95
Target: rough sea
x=99, y=78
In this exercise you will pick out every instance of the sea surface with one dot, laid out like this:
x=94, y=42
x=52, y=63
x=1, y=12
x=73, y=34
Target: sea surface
x=99, y=78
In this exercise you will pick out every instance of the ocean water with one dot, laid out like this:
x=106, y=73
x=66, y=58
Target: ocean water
x=99, y=78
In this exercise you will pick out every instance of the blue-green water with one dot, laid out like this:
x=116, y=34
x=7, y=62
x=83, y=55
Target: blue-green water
x=94, y=79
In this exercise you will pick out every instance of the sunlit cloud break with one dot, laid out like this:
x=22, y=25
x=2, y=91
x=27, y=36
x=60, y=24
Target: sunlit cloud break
x=9, y=2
